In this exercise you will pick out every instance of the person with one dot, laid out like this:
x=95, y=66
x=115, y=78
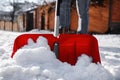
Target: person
x=83, y=7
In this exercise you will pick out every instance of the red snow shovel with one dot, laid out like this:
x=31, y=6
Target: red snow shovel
x=67, y=47
x=70, y=46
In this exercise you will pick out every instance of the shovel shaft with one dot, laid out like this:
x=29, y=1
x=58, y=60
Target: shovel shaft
x=57, y=22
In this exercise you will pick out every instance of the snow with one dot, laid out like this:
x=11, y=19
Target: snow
x=110, y=53
x=35, y=61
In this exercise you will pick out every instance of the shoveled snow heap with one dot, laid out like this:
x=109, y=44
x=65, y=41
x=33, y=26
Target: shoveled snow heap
x=35, y=61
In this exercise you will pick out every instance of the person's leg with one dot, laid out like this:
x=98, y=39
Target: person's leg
x=83, y=10
x=65, y=13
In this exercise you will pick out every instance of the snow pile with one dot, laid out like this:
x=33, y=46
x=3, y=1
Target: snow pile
x=35, y=53
x=36, y=61
x=110, y=53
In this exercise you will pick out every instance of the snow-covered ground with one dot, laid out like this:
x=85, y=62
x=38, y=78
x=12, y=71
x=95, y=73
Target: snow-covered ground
x=30, y=63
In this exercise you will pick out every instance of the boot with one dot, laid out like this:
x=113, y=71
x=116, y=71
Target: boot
x=64, y=30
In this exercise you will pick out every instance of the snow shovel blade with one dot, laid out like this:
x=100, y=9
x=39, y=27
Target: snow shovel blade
x=71, y=46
